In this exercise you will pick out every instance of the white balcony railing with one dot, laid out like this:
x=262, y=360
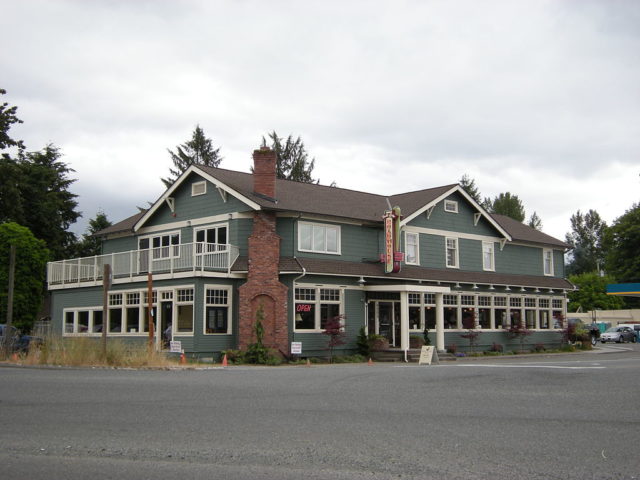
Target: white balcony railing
x=167, y=260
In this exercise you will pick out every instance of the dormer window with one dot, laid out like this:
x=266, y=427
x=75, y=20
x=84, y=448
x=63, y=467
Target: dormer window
x=198, y=188
x=450, y=206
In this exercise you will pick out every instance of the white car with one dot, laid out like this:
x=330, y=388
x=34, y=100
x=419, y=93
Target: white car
x=618, y=334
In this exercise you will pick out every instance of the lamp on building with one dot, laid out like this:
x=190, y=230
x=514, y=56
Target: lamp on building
x=361, y=281
x=475, y=287
x=551, y=290
x=537, y=290
x=507, y=289
x=491, y=287
x=457, y=285
x=522, y=289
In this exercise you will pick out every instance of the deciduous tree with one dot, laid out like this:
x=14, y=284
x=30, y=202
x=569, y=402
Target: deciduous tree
x=592, y=293
x=622, y=243
x=31, y=260
x=506, y=204
x=586, y=240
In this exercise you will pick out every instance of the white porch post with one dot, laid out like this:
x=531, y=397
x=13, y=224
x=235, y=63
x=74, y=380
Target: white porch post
x=440, y=322
x=404, y=320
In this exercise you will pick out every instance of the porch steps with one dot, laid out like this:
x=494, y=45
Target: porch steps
x=413, y=355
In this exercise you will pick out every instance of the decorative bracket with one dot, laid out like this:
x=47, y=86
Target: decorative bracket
x=503, y=241
x=171, y=202
x=476, y=219
x=223, y=194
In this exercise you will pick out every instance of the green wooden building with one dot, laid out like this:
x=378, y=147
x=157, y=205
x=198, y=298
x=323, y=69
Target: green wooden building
x=219, y=244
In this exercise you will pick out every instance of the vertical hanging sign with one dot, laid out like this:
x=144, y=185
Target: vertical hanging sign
x=392, y=256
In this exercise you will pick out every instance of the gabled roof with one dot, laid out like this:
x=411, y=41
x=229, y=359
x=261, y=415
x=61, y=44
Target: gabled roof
x=524, y=233
x=314, y=199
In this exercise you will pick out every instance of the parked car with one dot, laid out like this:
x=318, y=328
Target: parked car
x=618, y=334
x=16, y=341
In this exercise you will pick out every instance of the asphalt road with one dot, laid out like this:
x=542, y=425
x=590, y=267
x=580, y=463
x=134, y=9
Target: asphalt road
x=560, y=417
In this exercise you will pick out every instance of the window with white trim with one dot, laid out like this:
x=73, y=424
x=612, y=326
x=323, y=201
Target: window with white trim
x=452, y=252
x=318, y=238
x=162, y=246
x=412, y=252
x=451, y=206
x=198, y=188
x=217, y=310
x=314, y=307
x=184, y=314
x=488, y=262
x=211, y=239
x=547, y=257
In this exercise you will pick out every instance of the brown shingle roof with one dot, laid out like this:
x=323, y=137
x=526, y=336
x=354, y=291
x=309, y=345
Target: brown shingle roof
x=408, y=272
x=125, y=225
x=521, y=232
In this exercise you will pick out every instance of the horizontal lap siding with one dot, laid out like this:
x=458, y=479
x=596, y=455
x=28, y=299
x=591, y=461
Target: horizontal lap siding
x=190, y=208
x=519, y=260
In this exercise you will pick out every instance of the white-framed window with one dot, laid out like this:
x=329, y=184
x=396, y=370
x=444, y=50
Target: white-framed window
x=211, y=239
x=547, y=259
x=184, y=311
x=452, y=252
x=488, y=261
x=217, y=310
x=165, y=245
x=318, y=238
x=198, y=188
x=314, y=307
x=451, y=206
x=412, y=248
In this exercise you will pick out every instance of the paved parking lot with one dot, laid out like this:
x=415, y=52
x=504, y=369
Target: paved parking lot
x=542, y=417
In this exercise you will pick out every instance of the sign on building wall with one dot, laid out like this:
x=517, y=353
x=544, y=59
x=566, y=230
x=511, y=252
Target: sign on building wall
x=392, y=256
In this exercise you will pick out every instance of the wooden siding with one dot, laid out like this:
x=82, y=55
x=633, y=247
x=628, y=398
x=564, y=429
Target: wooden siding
x=455, y=222
x=189, y=208
x=123, y=244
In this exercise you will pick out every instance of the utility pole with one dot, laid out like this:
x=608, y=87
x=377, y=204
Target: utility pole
x=7, y=329
x=106, y=283
x=150, y=310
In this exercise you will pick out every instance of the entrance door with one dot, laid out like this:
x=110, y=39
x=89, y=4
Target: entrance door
x=388, y=321
x=163, y=325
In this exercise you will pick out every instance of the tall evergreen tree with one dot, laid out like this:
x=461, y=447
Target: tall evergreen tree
x=535, y=221
x=7, y=119
x=292, y=158
x=506, y=204
x=468, y=184
x=91, y=245
x=199, y=151
x=586, y=241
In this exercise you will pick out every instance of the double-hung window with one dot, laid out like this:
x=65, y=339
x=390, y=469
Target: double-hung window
x=217, y=310
x=488, y=262
x=318, y=238
x=412, y=255
x=452, y=252
x=547, y=258
x=314, y=307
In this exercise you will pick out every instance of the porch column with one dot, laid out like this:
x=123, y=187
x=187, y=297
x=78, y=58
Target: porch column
x=440, y=322
x=404, y=320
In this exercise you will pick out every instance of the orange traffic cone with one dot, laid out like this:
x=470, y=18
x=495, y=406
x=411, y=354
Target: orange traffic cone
x=370, y=362
x=14, y=357
x=183, y=359
x=225, y=363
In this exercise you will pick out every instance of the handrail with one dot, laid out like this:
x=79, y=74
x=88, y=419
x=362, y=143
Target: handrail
x=168, y=259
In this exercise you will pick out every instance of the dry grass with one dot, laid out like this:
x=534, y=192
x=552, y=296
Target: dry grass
x=88, y=352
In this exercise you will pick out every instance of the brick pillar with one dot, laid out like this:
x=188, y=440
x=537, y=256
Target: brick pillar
x=263, y=286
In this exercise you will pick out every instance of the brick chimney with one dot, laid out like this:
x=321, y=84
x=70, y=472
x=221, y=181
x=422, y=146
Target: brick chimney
x=263, y=287
x=264, y=172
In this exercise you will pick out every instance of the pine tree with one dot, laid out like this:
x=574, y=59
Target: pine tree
x=199, y=151
x=535, y=221
x=468, y=184
x=291, y=157
x=586, y=240
x=506, y=204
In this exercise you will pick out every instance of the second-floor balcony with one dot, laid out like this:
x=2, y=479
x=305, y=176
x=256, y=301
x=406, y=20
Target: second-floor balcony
x=125, y=266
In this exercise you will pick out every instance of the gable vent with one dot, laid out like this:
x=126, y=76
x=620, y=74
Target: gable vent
x=198, y=188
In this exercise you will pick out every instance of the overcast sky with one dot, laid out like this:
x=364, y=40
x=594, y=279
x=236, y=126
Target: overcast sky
x=538, y=98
